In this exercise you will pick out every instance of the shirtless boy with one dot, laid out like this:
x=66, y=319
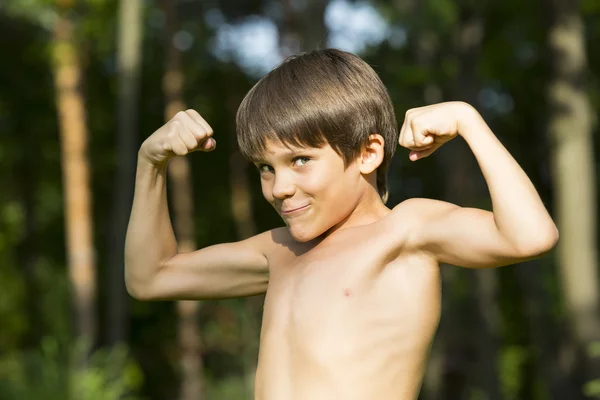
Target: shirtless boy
x=352, y=287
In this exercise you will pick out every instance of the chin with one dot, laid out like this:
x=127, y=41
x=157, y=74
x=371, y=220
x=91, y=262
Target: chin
x=301, y=234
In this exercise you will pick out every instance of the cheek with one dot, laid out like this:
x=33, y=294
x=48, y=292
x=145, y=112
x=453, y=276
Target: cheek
x=336, y=186
x=267, y=190
x=344, y=191
x=315, y=183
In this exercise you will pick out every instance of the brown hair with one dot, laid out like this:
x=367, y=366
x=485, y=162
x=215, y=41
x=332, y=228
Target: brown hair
x=322, y=97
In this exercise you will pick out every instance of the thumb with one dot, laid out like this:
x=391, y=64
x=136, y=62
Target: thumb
x=417, y=155
x=209, y=144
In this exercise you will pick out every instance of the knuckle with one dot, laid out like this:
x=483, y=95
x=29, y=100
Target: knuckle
x=172, y=132
x=181, y=151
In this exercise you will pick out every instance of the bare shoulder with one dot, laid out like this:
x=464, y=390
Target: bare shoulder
x=412, y=215
x=420, y=208
x=269, y=243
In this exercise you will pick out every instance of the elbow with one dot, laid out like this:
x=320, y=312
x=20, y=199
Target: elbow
x=133, y=290
x=137, y=290
x=543, y=243
x=550, y=239
x=139, y=284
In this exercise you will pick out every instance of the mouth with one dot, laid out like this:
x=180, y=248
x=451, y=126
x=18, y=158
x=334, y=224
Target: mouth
x=294, y=211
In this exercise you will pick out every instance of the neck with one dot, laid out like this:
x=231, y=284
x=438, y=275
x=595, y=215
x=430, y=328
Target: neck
x=369, y=209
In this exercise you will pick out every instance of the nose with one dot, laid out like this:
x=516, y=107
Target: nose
x=283, y=186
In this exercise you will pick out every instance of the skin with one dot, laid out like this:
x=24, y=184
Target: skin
x=352, y=288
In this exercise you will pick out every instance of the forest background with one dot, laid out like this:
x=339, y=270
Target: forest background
x=83, y=83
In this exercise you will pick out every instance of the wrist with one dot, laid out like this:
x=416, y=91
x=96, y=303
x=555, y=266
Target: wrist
x=145, y=157
x=468, y=119
x=144, y=160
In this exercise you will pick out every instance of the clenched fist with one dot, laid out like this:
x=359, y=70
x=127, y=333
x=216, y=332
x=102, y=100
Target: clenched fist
x=425, y=129
x=187, y=131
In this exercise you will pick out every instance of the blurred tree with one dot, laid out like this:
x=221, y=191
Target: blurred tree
x=129, y=59
x=75, y=164
x=570, y=131
x=465, y=185
x=190, y=362
x=245, y=227
x=302, y=26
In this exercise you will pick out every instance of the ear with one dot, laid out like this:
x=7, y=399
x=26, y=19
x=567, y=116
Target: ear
x=372, y=153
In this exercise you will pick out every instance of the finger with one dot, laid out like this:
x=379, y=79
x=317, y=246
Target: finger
x=208, y=145
x=176, y=145
x=417, y=155
x=187, y=137
x=196, y=131
x=401, y=134
x=408, y=139
x=421, y=136
x=197, y=118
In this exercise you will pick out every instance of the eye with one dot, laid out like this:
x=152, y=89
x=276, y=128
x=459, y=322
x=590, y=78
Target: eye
x=264, y=168
x=300, y=161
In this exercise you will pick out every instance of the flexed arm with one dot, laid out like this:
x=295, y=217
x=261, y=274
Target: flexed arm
x=153, y=267
x=518, y=228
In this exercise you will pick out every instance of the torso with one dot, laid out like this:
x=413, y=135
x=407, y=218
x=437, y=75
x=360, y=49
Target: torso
x=352, y=318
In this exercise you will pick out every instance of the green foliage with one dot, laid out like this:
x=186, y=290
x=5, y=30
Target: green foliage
x=40, y=12
x=51, y=372
x=230, y=388
x=11, y=296
x=511, y=361
x=592, y=388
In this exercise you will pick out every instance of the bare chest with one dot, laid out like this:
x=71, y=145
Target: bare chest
x=342, y=301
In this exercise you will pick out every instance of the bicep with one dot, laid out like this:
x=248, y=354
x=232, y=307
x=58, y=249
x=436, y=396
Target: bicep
x=462, y=236
x=223, y=270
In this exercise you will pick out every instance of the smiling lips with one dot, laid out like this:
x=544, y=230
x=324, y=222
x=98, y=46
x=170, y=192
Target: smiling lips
x=296, y=210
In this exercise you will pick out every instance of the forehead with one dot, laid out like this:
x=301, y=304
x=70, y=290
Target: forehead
x=275, y=148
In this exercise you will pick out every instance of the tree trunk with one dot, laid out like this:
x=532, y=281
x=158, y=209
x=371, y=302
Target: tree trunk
x=470, y=37
x=545, y=333
x=573, y=167
x=302, y=28
x=76, y=179
x=181, y=189
x=467, y=188
x=27, y=248
x=313, y=30
x=245, y=227
x=129, y=63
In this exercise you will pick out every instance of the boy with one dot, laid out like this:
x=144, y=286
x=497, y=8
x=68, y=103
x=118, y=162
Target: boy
x=352, y=288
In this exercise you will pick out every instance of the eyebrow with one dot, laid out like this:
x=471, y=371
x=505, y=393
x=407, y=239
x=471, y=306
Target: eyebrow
x=283, y=154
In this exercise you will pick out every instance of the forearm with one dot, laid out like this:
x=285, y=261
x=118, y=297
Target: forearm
x=519, y=213
x=150, y=239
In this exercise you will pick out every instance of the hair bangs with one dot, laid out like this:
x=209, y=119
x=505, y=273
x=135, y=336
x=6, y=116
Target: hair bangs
x=318, y=98
x=267, y=115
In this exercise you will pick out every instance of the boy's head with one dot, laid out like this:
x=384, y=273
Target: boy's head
x=322, y=99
